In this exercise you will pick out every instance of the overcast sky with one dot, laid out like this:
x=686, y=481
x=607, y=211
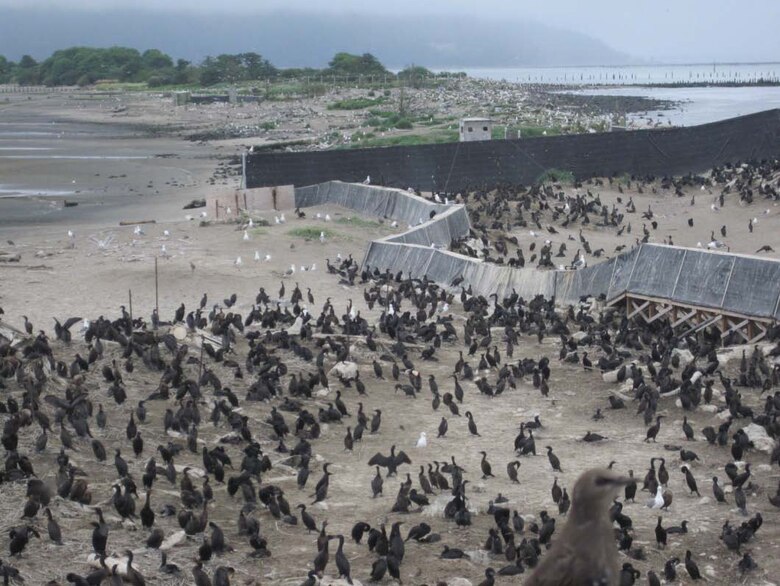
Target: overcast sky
x=657, y=30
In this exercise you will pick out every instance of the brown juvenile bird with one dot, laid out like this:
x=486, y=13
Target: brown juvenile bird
x=585, y=552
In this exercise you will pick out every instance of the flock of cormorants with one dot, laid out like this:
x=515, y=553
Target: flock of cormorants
x=304, y=372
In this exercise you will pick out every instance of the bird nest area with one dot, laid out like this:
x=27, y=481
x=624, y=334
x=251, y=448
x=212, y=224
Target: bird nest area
x=550, y=225
x=565, y=412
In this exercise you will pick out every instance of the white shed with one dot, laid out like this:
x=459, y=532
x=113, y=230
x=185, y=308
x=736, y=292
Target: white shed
x=472, y=129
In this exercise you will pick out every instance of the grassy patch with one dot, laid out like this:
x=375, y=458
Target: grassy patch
x=118, y=86
x=267, y=125
x=556, y=176
x=355, y=103
x=359, y=222
x=258, y=222
x=382, y=121
x=312, y=233
x=533, y=131
x=290, y=91
x=407, y=140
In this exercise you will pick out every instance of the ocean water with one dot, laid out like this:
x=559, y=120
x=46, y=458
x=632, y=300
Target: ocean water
x=695, y=105
x=632, y=74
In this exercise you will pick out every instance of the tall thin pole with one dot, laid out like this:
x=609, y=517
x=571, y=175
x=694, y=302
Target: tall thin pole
x=243, y=170
x=130, y=295
x=156, y=288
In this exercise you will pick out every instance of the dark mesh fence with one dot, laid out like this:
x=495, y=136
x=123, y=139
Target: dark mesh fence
x=456, y=166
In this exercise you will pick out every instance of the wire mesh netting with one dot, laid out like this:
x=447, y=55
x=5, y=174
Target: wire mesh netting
x=731, y=283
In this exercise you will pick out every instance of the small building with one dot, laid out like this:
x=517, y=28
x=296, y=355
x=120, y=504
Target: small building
x=472, y=129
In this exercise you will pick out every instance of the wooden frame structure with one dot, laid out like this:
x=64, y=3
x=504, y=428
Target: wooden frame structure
x=686, y=319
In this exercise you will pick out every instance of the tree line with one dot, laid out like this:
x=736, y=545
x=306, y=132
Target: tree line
x=84, y=66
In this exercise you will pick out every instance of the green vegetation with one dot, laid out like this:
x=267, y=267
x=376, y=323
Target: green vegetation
x=235, y=69
x=499, y=131
x=382, y=120
x=416, y=75
x=371, y=140
x=534, y=131
x=355, y=65
x=312, y=233
x=356, y=103
x=554, y=175
x=358, y=222
x=86, y=66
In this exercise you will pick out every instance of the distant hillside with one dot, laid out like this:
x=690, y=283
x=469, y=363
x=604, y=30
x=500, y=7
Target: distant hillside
x=305, y=40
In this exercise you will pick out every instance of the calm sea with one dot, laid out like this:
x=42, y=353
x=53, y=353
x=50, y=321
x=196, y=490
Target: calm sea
x=696, y=105
x=633, y=74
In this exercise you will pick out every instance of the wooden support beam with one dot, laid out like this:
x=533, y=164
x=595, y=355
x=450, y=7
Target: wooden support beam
x=665, y=309
x=759, y=332
x=693, y=318
x=739, y=329
x=637, y=309
x=684, y=318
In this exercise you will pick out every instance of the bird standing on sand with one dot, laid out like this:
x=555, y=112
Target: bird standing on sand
x=585, y=551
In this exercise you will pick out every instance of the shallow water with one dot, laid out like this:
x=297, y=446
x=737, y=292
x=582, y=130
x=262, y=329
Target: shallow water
x=76, y=157
x=10, y=191
x=697, y=105
x=630, y=74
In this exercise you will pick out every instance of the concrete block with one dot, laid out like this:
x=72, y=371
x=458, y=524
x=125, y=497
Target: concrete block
x=277, y=198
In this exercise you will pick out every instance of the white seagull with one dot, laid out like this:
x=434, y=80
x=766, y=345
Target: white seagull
x=422, y=441
x=658, y=500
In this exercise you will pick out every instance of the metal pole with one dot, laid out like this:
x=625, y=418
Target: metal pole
x=130, y=295
x=156, y=288
x=243, y=170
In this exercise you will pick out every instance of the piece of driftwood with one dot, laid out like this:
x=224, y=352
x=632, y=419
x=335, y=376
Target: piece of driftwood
x=129, y=223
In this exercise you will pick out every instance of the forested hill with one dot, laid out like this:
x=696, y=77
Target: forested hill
x=305, y=40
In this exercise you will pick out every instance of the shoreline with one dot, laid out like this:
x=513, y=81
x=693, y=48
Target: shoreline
x=163, y=156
